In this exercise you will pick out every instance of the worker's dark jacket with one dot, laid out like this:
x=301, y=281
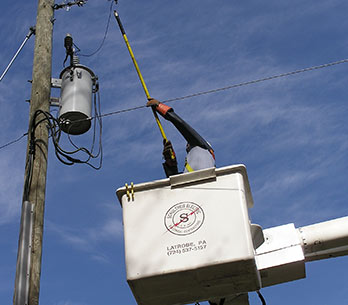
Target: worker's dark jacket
x=200, y=153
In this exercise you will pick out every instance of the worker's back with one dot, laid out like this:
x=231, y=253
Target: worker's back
x=198, y=158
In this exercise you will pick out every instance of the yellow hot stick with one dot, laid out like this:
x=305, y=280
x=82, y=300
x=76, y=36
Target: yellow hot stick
x=139, y=74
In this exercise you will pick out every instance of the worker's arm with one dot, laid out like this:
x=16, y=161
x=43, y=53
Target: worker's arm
x=192, y=136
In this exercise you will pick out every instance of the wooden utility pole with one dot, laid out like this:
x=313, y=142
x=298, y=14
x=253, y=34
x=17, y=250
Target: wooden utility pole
x=40, y=100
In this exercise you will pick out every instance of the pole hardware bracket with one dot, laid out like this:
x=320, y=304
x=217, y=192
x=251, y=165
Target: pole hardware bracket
x=69, y=4
x=54, y=101
x=56, y=83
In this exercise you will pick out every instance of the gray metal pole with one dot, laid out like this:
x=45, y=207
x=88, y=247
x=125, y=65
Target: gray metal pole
x=24, y=253
x=40, y=100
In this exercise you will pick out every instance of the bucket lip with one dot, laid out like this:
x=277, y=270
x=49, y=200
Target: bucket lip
x=237, y=168
x=76, y=66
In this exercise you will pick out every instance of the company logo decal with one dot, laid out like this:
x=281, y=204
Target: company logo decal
x=184, y=218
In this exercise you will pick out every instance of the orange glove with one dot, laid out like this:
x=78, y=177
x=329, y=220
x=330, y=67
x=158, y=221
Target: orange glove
x=160, y=107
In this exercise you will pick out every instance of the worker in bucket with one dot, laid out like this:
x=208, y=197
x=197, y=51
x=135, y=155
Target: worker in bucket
x=200, y=154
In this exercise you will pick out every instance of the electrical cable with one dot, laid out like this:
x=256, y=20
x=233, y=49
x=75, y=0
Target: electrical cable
x=259, y=80
x=261, y=297
x=28, y=179
x=31, y=32
x=55, y=130
x=206, y=92
x=14, y=141
x=104, y=38
x=97, y=120
x=30, y=159
x=234, y=86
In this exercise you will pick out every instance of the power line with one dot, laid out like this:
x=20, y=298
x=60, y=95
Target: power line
x=31, y=32
x=210, y=92
x=14, y=141
x=123, y=110
x=105, y=34
x=259, y=80
x=235, y=85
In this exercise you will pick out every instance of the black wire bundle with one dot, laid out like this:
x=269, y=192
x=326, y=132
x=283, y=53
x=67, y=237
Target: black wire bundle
x=97, y=120
x=55, y=132
x=261, y=297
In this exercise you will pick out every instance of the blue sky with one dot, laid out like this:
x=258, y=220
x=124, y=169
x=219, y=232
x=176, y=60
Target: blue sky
x=291, y=133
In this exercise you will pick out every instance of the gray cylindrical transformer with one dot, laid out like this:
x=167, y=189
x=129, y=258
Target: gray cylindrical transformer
x=76, y=99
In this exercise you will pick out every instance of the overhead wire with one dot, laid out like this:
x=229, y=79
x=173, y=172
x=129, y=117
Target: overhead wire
x=241, y=84
x=259, y=80
x=27, y=37
x=104, y=38
x=246, y=83
x=14, y=141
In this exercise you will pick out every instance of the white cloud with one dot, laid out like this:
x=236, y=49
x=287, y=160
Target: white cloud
x=90, y=239
x=11, y=184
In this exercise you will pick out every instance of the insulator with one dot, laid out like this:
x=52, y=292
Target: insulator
x=76, y=60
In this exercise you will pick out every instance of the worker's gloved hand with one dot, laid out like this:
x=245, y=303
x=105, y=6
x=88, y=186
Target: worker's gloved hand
x=161, y=108
x=152, y=102
x=170, y=165
x=168, y=153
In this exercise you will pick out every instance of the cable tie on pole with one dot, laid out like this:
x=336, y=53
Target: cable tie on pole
x=32, y=147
